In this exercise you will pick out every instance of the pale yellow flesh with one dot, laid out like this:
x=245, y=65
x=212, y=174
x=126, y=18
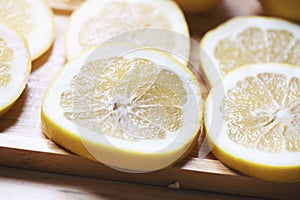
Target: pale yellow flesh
x=17, y=14
x=15, y=67
x=259, y=115
x=33, y=19
x=119, y=17
x=263, y=112
x=128, y=109
x=126, y=102
x=112, y=20
x=5, y=58
x=248, y=40
x=254, y=45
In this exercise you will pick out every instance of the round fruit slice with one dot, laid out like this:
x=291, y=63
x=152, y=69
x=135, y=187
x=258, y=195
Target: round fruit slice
x=248, y=40
x=137, y=112
x=97, y=21
x=33, y=19
x=253, y=119
x=15, y=67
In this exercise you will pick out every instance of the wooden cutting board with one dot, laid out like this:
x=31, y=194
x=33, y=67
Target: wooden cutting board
x=23, y=145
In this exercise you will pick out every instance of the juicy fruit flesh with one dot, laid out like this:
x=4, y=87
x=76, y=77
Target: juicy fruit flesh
x=126, y=99
x=254, y=45
x=6, y=56
x=263, y=112
x=17, y=14
x=118, y=17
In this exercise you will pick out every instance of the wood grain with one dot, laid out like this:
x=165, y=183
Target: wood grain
x=32, y=185
x=23, y=145
x=64, y=6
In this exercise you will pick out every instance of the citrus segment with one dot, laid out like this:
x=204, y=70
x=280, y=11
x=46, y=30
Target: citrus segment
x=6, y=55
x=140, y=111
x=248, y=40
x=14, y=67
x=33, y=19
x=94, y=22
x=258, y=108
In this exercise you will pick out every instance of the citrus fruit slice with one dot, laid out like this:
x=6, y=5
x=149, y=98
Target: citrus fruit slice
x=15, y=67
x=137, y=112
x=252, y=117
x=33, y=19
x=248, y=40
x=94, y=22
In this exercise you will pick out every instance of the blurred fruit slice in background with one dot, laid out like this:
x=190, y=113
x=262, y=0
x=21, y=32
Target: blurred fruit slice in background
x=15, y=67
x=288, y=9
x=247, y=40
x=33, y=19
x=95, y=22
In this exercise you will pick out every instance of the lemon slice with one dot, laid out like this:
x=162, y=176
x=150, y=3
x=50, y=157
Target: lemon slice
x=15, y=67
x=137, y=112
x=95, y=22
x=248, y=40
x=253, y=119
x=33, y=19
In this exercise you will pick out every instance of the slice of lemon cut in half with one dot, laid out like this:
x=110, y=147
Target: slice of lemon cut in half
x=95, y=22
x=31, y=18
x=248, y=40
x=15, y=67
x=253, y=120
x=137, y=112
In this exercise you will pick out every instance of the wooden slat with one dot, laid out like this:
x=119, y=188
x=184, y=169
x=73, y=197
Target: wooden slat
x=24, y=184
x=64, y=6
x=191, y=173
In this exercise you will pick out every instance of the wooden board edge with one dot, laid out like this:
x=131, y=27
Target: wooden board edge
x=46, y=146
x=69, y=164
